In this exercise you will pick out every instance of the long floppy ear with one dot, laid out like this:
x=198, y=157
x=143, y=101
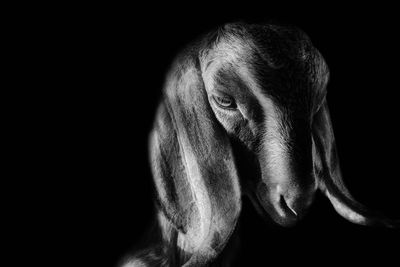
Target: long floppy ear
x=193, y=166
x=330, y=179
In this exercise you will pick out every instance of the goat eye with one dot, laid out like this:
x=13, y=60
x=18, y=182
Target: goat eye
x=225, y=102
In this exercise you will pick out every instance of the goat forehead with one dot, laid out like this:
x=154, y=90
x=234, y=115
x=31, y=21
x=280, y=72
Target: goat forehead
x=294, y=77
x=269, y=86
x=296, y=83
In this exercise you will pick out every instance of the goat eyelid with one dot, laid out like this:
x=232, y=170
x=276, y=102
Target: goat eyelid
x=225, y=102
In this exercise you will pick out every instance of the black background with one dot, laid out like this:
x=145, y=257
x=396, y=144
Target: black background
x=116, y=59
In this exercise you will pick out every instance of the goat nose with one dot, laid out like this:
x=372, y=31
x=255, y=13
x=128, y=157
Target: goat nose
x=286, y=212
x=296, y=202
x=287, y=206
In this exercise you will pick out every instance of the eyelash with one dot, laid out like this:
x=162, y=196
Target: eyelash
x=225, y=102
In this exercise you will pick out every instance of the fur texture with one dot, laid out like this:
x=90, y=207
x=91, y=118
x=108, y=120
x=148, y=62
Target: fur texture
x=258, y=89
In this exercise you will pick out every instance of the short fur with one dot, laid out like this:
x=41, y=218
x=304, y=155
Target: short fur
x=277, y=82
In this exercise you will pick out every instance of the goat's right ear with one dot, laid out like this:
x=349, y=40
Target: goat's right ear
x=330, y=178
x=193, y=167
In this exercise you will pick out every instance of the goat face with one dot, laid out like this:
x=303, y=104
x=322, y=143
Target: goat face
x=265, y=91
x=263, y=88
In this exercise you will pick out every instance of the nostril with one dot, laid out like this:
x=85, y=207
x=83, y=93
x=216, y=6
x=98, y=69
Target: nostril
x=285, y=206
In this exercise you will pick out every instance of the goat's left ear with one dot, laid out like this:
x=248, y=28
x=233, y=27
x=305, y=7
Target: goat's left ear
x=327, y=170
x=193, y=165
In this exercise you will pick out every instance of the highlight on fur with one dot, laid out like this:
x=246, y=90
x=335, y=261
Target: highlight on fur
x=262, y=88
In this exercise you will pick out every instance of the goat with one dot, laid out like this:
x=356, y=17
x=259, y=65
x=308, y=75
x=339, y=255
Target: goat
x=262, y=88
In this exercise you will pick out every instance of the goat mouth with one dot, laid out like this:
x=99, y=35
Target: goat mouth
x=259, y=207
